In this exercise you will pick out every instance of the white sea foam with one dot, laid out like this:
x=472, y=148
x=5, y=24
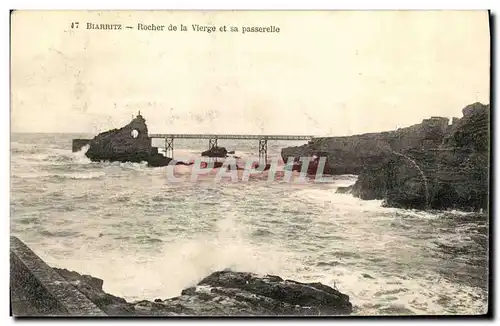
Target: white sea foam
x=73, y=175
x=80, y=157
x=181, y=263
x=82, y=175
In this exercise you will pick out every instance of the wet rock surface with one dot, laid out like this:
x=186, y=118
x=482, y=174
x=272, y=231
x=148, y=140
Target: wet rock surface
x=224, y=293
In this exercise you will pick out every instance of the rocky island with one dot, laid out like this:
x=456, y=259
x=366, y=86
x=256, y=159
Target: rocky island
x=216, y=151
x=130, y=143
x=433, y=164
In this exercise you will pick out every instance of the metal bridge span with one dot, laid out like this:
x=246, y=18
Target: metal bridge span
x=213, y=138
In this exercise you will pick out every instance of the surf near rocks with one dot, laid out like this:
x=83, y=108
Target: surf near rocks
x=224, y=293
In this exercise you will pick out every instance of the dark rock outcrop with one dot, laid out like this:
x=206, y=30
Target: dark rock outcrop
x=215, y=152
x=454, y=174
x=130, y=143
x=351, y=154
x=290, y=296
x=91, y=287
x=429, y=165
x=224, y=293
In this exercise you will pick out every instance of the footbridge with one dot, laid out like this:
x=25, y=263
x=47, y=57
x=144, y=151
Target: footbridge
x=213, y=138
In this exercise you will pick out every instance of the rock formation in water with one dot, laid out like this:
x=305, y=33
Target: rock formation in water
x=433, y=164
x=215, y=152
x=130, y=143
x=224, y=293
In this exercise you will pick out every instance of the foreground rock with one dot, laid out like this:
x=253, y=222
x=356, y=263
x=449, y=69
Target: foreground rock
x=224, y=293
x=130, y=143
x=433, y=164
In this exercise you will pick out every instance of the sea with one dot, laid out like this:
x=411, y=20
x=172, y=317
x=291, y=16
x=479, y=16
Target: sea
x=148, y=237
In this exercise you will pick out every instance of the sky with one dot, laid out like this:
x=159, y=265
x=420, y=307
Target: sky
x=326, y=73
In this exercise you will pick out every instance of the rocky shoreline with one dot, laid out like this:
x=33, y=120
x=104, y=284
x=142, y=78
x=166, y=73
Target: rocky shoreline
x=431, y=165
x=224, y=293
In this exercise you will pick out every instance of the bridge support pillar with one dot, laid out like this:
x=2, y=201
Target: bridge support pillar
x=212, y=142
x=169, y=147
x=263, y=150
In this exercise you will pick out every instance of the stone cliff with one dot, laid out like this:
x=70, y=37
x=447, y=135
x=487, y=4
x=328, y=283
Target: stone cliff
x=429, y=165
x=350, y=154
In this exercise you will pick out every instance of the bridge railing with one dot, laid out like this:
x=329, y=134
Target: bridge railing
x=213, y=136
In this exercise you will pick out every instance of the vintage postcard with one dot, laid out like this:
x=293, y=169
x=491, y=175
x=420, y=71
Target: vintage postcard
x=249, y=163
